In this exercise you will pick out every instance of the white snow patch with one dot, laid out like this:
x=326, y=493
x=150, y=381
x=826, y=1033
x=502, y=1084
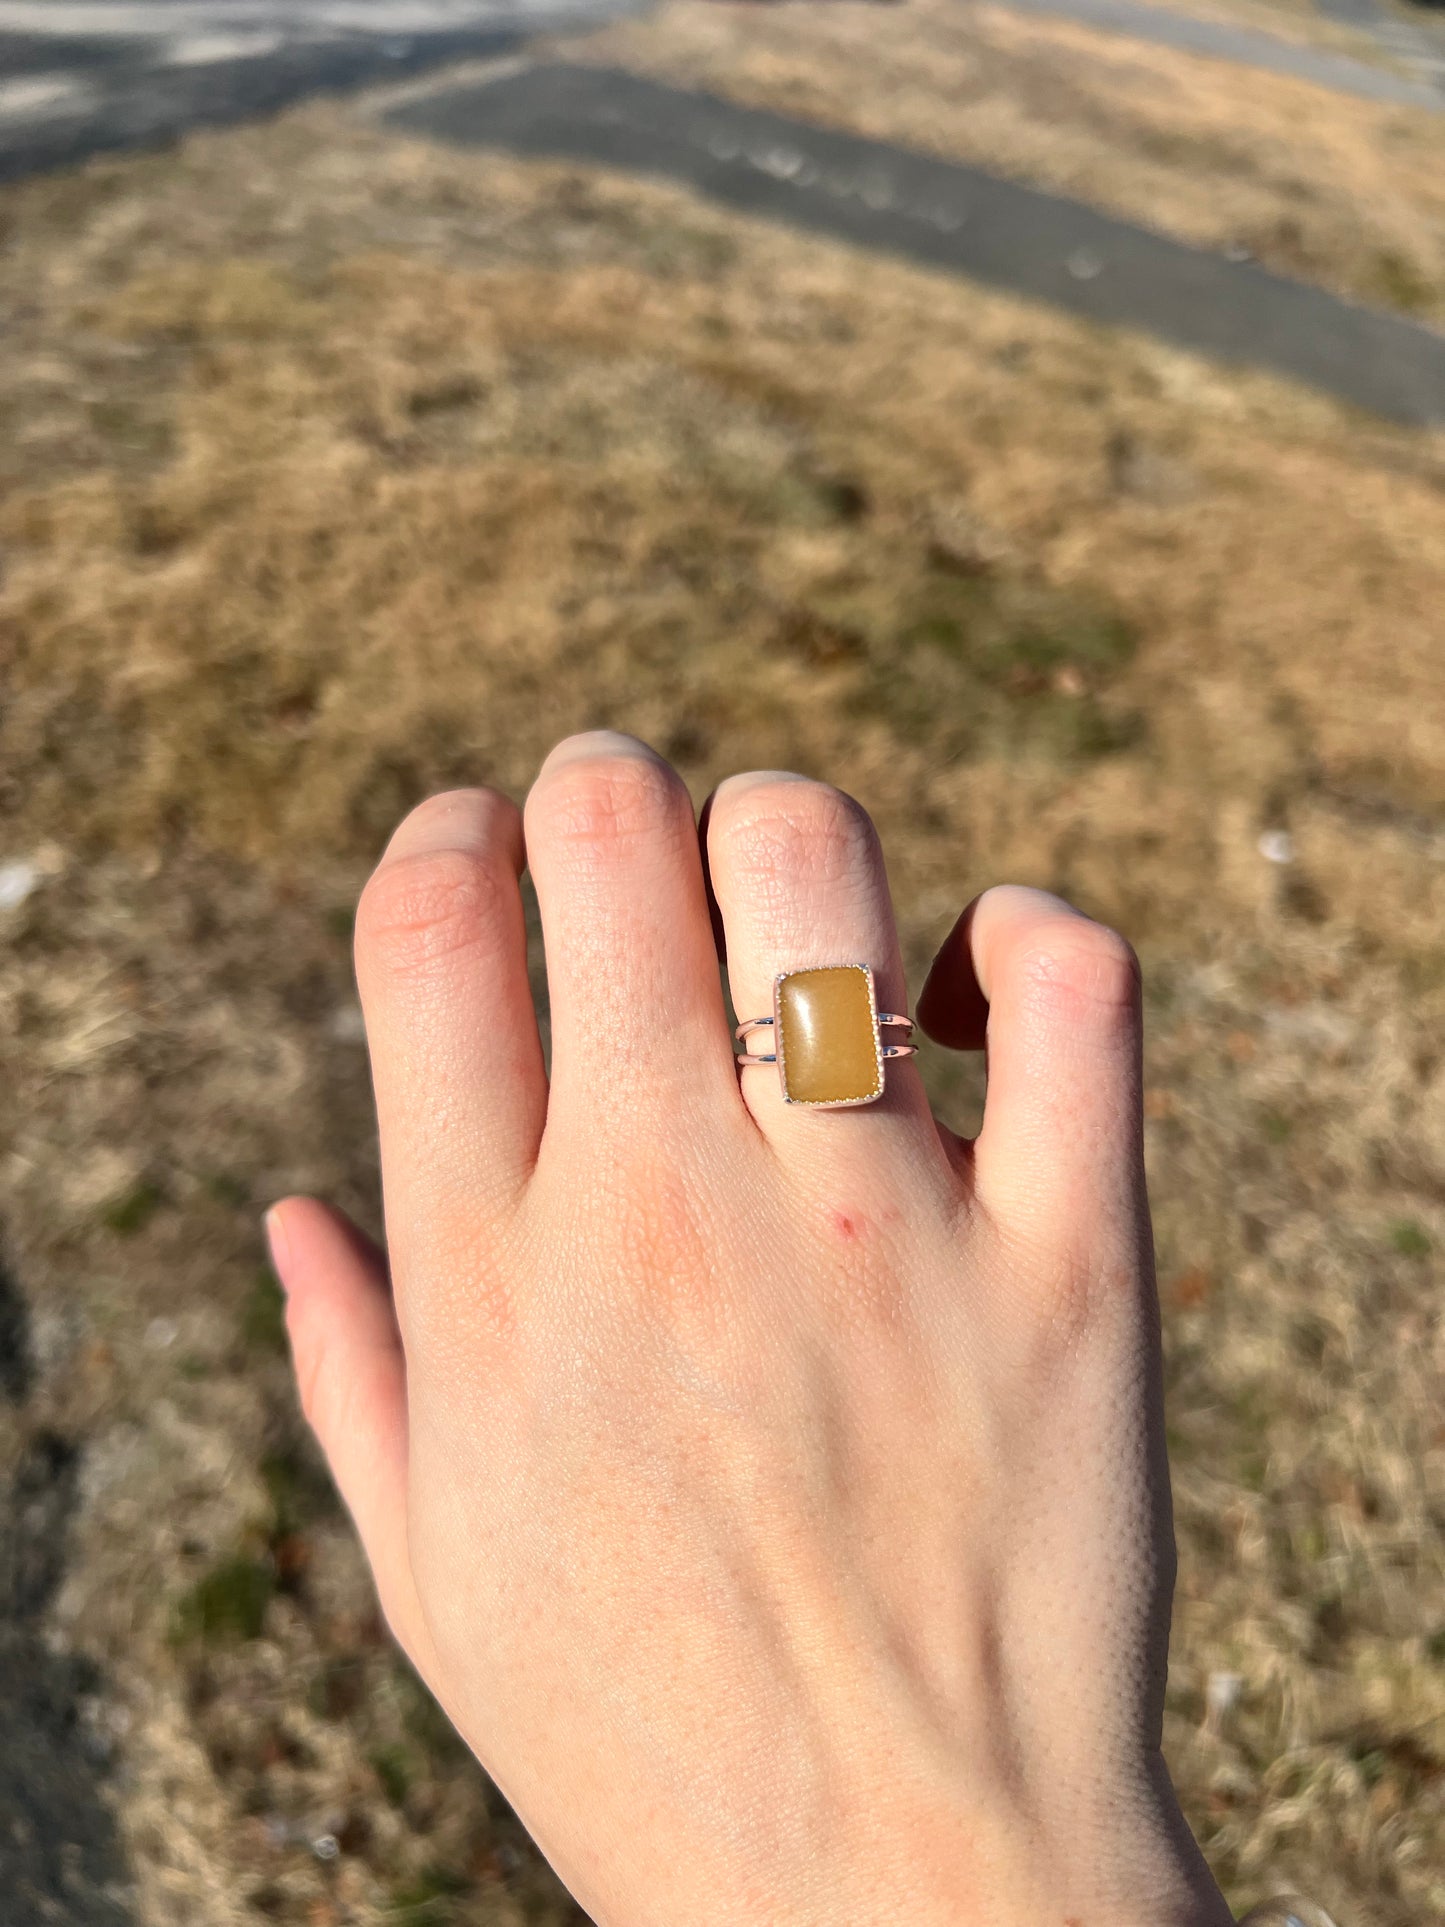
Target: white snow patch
x=17, y=880
x=207, y=49
x=42, y=94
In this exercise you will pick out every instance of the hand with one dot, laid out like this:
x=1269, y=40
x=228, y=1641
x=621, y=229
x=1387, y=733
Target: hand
x=774, y=1498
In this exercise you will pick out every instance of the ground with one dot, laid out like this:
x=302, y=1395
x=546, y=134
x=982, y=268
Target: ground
x=1207, y=152
x=337, y=467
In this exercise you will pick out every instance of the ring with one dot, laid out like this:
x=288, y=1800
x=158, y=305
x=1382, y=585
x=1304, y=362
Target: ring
x=828, y=1036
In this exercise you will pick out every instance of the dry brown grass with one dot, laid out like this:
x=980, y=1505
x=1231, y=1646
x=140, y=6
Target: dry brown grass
x=1334, y=190
x=338, y=469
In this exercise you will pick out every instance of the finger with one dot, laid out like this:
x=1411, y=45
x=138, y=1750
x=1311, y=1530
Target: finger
x=351, y=1375
x=1062, y=1127
x=456, y=1060
x=952, y=1008
x=798, y=876
x=636, y=999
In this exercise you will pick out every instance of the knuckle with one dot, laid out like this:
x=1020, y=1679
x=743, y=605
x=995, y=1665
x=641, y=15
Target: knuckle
x=418, y=910
x=1081, y=1285
x=1084, y=968
x=776, y=831
x=1073, y=1292
x=609, y=804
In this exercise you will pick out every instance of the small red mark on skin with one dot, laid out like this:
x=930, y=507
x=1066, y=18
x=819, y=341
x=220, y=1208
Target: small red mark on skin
x=1072, y=1920
x=846, y=1226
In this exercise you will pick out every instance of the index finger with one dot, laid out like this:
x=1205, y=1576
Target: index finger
x=461, y=1091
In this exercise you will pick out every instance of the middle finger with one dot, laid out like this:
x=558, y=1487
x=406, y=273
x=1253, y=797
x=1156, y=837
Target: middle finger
x=639, y=1030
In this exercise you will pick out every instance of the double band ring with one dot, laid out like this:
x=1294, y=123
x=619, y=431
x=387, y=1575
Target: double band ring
x=827, y=1034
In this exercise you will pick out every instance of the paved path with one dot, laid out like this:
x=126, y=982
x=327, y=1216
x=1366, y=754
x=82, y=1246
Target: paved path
x=78, y=77
x=1417, y=40
x=949, y=216
x=1247, y=47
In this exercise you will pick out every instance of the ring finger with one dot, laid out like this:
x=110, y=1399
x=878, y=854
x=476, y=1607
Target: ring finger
x=798, y=878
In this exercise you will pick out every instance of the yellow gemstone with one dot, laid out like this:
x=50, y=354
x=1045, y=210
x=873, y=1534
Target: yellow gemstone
x=828, y=1037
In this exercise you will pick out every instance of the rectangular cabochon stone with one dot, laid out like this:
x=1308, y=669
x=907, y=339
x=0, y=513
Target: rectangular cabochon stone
x=827, y=1036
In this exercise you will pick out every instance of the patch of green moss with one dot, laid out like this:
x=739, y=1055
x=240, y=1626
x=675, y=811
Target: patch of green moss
x=1371, y=1761
x=429, y=1900
x=133, y=1210
x=394, y=1769
x=1400, y=283
x=1311, y=1543
x=131, y=427
x=1410, y=1239
x=229, y=1603
x=228, y=1188
x=263, y=1317
x=425, y=1723
x=994, y=661
x=1251, y=1413
x=1253, y=1471
x=299, y=1488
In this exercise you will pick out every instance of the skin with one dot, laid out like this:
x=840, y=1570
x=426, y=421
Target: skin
x=775, y=1499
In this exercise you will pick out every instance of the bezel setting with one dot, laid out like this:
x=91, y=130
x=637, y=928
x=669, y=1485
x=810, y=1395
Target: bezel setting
x=779, y=1042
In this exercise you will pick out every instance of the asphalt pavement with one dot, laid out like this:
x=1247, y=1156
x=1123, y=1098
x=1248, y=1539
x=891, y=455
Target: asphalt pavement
x=957, y=218
x=81, y=77
x=1412, y=47
x=1413, y=35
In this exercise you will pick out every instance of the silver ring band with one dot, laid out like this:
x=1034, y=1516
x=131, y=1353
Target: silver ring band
x=889, y=1051
x=769, y=1023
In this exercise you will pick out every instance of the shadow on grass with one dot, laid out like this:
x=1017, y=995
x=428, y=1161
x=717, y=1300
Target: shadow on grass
x=59, y=1856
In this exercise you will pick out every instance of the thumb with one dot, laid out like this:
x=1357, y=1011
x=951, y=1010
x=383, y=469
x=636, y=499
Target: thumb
x=351, y=1374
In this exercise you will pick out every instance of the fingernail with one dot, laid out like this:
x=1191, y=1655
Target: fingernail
x=598, y=742
x=280, y=1248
